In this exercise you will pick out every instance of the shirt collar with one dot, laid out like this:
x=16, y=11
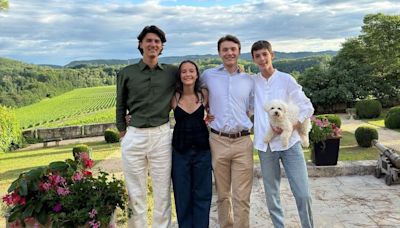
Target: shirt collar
x=222, y=67
x=271, y=77
x=144, y=66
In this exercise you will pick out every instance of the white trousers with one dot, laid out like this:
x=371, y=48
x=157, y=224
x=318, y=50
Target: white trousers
x=144, y=148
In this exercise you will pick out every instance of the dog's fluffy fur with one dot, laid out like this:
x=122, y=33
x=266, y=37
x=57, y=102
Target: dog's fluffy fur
x=284, y=116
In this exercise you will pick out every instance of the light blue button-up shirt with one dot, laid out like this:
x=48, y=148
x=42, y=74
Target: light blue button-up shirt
x=230, y=99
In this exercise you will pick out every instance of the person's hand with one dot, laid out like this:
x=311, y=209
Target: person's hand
x=209, y=118
x=296, y=126
x=122, y=134
x=128, y=119
x=277, y=130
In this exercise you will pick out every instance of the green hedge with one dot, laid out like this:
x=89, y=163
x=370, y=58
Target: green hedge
x=364, y=135
x=392, y=119
x=10, y=132
x=368, y=109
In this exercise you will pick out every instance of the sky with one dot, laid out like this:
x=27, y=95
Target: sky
x=60, y=31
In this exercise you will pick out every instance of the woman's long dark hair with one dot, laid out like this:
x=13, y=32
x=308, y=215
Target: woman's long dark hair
x=179, y=84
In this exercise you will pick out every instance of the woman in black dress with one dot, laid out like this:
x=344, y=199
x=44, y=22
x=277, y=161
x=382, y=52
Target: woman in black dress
x=191, y=156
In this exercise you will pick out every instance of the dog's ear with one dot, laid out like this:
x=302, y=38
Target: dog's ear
x=284, y=107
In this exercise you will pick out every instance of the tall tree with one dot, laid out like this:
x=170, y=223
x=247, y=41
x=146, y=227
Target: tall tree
x=381, y=37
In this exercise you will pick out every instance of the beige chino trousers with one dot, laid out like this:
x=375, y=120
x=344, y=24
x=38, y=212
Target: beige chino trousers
x=232, y=162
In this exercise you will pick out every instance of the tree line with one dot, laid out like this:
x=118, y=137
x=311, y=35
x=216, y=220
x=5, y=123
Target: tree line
x=23, y=84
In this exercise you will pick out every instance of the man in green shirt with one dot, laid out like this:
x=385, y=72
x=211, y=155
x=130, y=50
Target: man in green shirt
x=144, y=91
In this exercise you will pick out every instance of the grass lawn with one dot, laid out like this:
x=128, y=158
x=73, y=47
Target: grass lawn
x=379, y=121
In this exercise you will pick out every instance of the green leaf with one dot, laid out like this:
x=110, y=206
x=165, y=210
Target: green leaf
x=38, y=207
x=43, y=217
x=58, y=166
x=13, y=216
x=23, y=187
x=35, y=173
x=28, y=211
x=13, y=186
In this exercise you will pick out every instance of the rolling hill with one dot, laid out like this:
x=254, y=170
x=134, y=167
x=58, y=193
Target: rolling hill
x=177, y=59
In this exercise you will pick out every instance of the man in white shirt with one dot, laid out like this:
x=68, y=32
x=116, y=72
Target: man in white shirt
x=271, y=84
x=230, y=97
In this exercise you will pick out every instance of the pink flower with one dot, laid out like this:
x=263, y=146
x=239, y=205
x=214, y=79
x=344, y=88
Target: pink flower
x=15, y=197
x=88, y=163
x=84, y=155
x=94, y=224
x=56, y=179
x=62, y=191
x=22, y=201
x=318, y=122
x=77, y=176
x=86, y=173
x=44, y=186
x=8, y=199
x=57, y=207
x=92, y=213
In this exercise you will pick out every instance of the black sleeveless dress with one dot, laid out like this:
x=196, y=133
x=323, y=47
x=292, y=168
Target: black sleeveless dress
x=190, y=131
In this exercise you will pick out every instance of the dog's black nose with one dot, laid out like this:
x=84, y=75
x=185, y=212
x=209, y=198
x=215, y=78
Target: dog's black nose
x=276, y=113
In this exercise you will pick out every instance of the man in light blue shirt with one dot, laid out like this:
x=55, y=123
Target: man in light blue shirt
x=230, y=101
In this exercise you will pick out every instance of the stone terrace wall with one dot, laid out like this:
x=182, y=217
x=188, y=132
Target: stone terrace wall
x=71, y=132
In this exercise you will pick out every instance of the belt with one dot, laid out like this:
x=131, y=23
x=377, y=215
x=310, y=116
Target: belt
x=231, y=135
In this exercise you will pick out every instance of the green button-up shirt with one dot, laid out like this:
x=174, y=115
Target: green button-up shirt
x=145, y=93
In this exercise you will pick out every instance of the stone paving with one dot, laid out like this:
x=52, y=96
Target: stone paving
x=343, y=201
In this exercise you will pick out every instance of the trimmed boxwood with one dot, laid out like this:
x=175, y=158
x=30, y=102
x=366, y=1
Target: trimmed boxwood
x=368, y=109
x=111, y=135
x=392, y=119
x=364, y=135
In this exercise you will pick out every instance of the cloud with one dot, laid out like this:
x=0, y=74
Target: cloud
x=57, y=32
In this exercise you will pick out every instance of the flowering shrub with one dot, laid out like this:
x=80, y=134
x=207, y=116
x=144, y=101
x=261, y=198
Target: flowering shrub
x=66, y=194
x=322, y=129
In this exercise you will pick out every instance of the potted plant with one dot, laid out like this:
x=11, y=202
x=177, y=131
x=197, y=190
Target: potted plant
x=65, y=194
x=324, y=140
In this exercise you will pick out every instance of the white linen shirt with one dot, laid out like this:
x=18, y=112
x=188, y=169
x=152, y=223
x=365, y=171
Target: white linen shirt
x=230, y=98
x=280, y=86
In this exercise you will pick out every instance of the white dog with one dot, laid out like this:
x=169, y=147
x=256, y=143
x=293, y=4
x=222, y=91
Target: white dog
x=284, y=116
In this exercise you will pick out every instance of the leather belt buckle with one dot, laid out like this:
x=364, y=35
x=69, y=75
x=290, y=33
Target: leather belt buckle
x=231, y=135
